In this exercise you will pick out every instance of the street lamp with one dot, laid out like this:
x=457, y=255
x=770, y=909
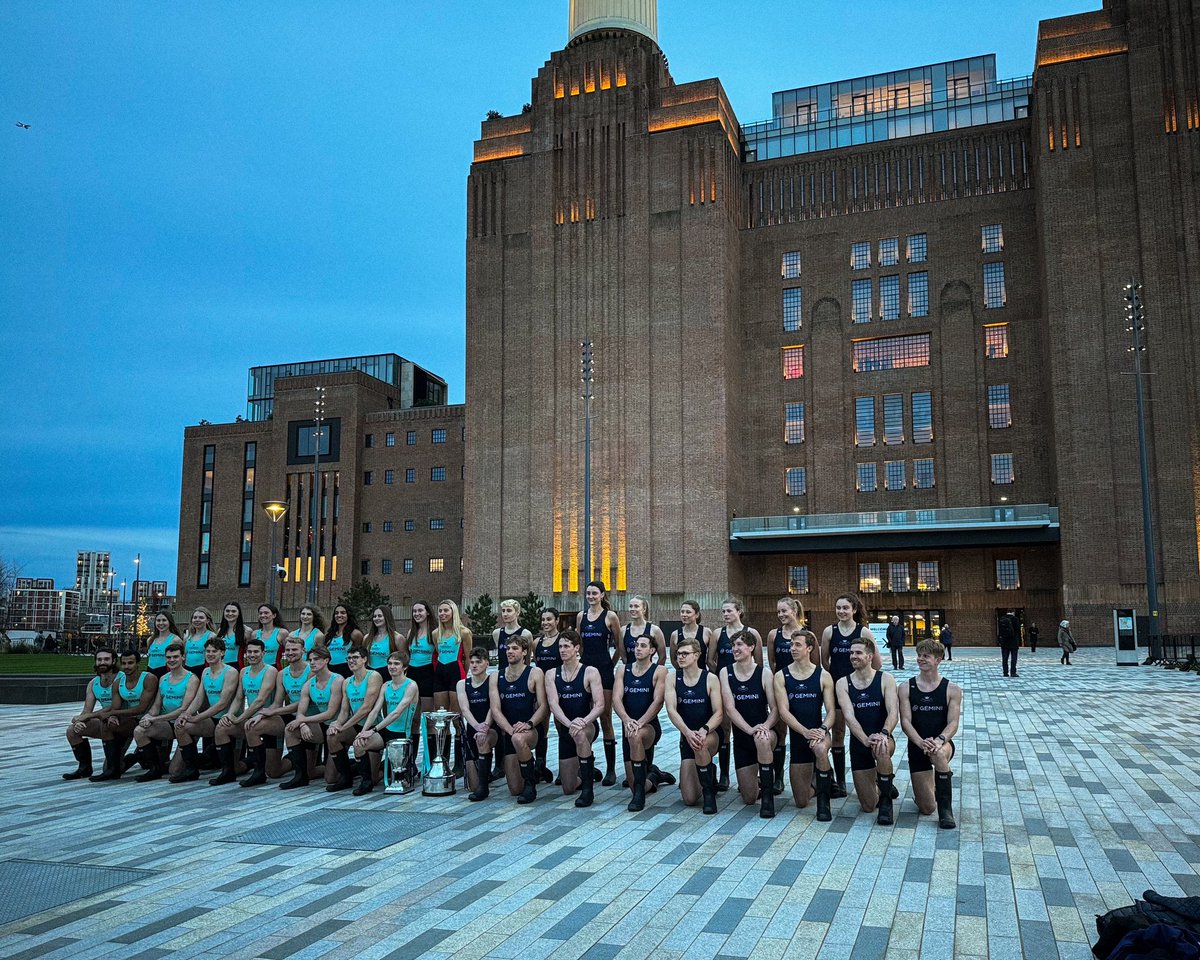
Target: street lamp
x=275, y=510
x=111, y=574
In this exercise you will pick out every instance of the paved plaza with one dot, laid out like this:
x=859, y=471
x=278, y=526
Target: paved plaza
x=1075, y=791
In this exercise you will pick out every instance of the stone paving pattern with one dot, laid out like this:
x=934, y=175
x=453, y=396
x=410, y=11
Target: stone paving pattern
x=1075, y=791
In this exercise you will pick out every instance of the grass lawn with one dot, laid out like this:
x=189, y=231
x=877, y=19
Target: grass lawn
x=27, y=663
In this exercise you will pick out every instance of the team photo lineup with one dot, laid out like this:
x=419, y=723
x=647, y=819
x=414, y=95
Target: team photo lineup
x=323, y=703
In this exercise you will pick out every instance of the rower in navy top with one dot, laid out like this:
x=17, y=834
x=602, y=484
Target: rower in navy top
x=869, y=704
x=690, y=629
x=476, y=730
x=930, y=708
x=720, y=657
x=599, y=630
x=360, y=693
x=804, y=696
x=779, y=653
x=518, y=698
x=836, y=641
x=547, y=658
x=639, y=625
x=693, y=698
x=509, y=627
x=638, y=698
x=748, y=694
x=88, y=724
x=575, y=697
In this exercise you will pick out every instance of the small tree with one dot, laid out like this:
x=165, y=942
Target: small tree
x=531, y=612
x=494, y=115
x=481, y=619
x=362, y=598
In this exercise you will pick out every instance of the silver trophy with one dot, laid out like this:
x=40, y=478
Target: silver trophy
x=399, y=771
x=439, y=744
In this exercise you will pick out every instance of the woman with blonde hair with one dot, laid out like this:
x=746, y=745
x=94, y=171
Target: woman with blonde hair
x=451, y=640
x=509, y=628
x=199, y=630
x=779, y=651
x=166, y=633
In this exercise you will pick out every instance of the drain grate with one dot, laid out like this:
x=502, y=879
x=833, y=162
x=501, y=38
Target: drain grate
x=34, y=886
x=343, y=830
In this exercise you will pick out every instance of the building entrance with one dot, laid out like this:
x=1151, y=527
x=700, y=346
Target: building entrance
x=918, y=624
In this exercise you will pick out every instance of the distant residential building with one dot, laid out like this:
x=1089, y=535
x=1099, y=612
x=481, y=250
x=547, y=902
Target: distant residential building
x=35, y=604
x=93, y=580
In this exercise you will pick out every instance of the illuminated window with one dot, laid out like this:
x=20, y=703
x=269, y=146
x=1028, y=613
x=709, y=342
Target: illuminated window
x=793, y=301
x=917, y=248
x=368, y=477
x=385, y=567
x=410, y=525
x=410, y=475
x=889, y=298
x=893, y=475
x=796, y=481
x=793, y=423
x=438, y=435
x=410, y=438
x=408, y=565
x=893, y=418
x=922, y=417
x=860, y=255
x=864, y=421
x=890, y=353
x=860, y=300
x=790, y=267
x=993, y=238
x=389, y=476
x=793, y=363
x=923, y=478
x=995, y=341
x=918, y=294
x=798, y=579
x=388, y=526
x=865, y=479
x=868, y=578
x=1008, y=577
x=437, y=473
x=928, y=576
x=994, y=293
x=437, y=523
x=999, y=406
x=1002, y=468
x=437, y=564
x=899, y=577
x=889, y=252
x=389, y=439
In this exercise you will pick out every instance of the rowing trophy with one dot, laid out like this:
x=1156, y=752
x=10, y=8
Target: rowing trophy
x=439, y=743
x=399, y=767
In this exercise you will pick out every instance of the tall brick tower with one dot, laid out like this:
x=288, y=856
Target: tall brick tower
x=608, y=212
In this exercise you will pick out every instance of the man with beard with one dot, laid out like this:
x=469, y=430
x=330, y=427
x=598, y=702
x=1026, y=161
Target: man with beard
x=135, y=692
x=97, y=704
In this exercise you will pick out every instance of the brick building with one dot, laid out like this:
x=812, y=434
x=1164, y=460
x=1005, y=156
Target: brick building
x=35, y=604
x=875, y=342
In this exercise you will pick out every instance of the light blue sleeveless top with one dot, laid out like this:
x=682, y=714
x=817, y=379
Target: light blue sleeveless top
x=392, y=695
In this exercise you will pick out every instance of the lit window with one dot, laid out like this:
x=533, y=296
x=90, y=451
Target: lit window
x=999, y=406
x=793, y=423
x=410, y=438
x=437, y=473
x=995, y=341
x=368, y=477
x=868, y=578
x=798, y=579
x=437, y=523
x=437, y=564
x=790, y=268
x=389, y=439
x=917, y=248
x=865, y=478
x=793, y=301
x=994, y=293
x=387, y=526
x=366, y=527
x=793, y=363
x=922, y=417
x=796, y=481
x=369, y=441
x=1008, y=577
x=408, y=565
x=893, y=475
x=410, y=475
x=993, y=238
x=899, y=578
x=860, y=255
x=385, y=567
x=928, y=576
x=1002, y=468
x=890, y=353
x=410, y=526
x=923, y=478
x=893, y=418
x=889, y=298
x=864, y=421
x=889, y=252
x=860, y=301
x=389, y=476
x=918, y=294
x=364, y=568
x=438, y=436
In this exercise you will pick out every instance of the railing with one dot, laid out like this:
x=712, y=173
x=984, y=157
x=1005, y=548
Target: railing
x=1170, y=649
x=1016, y=516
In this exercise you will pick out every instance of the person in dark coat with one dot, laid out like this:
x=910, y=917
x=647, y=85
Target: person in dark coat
x=1034, y=633
x=895, y=642
x=1008, y=633
x=947, y=639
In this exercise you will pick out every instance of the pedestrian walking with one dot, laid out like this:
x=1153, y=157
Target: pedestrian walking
x=1034, y=633
x=947, y=639
x=1066, y=642
x=1009, y=637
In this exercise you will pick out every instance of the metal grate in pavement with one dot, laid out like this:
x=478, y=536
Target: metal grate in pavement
x=34, y=886
x=342, y=830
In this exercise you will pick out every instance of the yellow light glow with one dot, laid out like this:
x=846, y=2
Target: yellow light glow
x=321, y=570
x=573, y=570
x=275, y=509
x=678, y=120
x=485, y=151
x=1090, y=52
x=556, y=558
x=606, y=544
x=622, y=565
x=334, y=566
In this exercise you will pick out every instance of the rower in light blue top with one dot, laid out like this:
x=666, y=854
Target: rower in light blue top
x=271, y=632
x=311, y=629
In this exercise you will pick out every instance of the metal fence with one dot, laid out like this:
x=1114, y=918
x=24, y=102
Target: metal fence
x=1173, y=648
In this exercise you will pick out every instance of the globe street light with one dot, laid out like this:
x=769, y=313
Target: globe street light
x=275, y=509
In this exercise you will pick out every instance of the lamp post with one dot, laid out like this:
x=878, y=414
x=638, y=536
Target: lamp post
x=109, y=631
x=318, y=418
x=586, y=368
x=275, y=509
x=122, y=608
x=137, y=577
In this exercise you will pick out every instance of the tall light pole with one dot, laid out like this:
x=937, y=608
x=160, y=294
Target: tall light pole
x=122, y=608
x=1135, y=317
x=275, y=510
x=586, y=369
x=109, y=631
x=319, y=417
x=137, y=576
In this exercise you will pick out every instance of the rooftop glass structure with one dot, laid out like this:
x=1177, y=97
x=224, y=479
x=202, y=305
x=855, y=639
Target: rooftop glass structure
x=418, y=387
x=887, y=106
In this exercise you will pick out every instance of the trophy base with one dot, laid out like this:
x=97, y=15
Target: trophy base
x=438, y=786
x=399, y=788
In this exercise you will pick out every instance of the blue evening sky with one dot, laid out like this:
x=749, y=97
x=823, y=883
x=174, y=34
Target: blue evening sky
x=207, y=186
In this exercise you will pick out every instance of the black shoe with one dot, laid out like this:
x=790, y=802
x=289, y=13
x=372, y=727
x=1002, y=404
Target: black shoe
x=345, y=773
x=83, y=761
x=587, y=785
x=1014, y=674
x=529, y=772
x=824, y=782
x=191, y=770
x=708, y=788
x=766, y=789
x=610, y=763
x=723, y=784
x=838, y=791
x=547, y=776
x=227, y=774
x=639, y=787
x=366, y=783
x=662, y=776
x=943, y=793
x=482, y=766
x=884, y=819
x=299, y=777
x=112, y=764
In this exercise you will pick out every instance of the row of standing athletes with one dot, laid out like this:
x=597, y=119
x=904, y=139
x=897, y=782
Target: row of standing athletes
x=385, y=680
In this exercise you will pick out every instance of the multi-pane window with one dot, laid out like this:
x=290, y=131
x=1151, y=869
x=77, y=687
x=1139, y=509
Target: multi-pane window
x=798, y=579
x=922, y=417
x=366, y=526
x=993, y=238
x=893, y=418
x=1002, y=468
x=410, y=525
x=889, y=298
x=793, y=363
x=860, y=301
x=923, y=477
x=1008, y=577
x=918, y=248
x=410, y=475
x=437, y=473
x=899, y=578
x=928, y=576
x=248, y=474
x=860, y=255
x=864, y=421
x=889, y=252
x=368, y=477
x=364, y=568
x=868, y=578
x=793, y=423
x=796, y=481
x=999, y=406
x=918, y=294
x=389, y=439
x=893, y=475
x=369, y=440
x=410, y=438
x=438, y=435
x=793, y=308
x=388, y=526
x=206, y=503
x=790, y=265
x=994, y=294
x=389, y=476
x=408, y=565
x=865, y=479
x=437, y=564
x=890, y=353
x=437, y=523
x=995, y=341
x=385, y=567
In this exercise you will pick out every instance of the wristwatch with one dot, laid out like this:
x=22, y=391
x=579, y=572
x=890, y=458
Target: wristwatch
x=705, y=728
